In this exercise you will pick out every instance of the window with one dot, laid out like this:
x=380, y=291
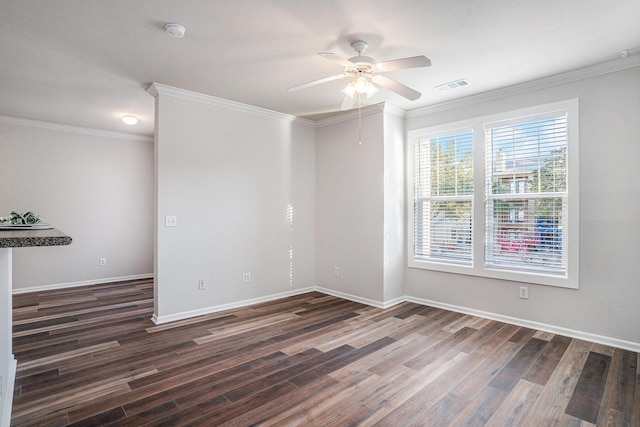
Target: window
x=444, y=197
x=498, y=196
x=526, y=179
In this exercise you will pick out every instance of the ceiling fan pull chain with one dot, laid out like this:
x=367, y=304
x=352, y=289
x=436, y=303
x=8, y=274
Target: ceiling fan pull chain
x=359, y=119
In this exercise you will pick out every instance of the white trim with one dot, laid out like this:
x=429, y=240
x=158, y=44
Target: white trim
x=603, y=68
x=587, y=336
x=74, y=129
x=159, y=320
x=394, y=111
x=395, y=301
x=355, y=298
x=7, y=399
x=56, y=286
x=353, y=115
x=600, y=339
x=156, y=89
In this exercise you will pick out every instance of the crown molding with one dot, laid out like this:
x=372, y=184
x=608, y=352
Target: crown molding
x=596, y=70
x=395, y=111
x=156, y=89
x=74, y=129
x=351, y=115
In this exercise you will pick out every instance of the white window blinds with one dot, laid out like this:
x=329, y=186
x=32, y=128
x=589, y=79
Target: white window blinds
x=526, y=195
x=443, y=198
x=498, y=196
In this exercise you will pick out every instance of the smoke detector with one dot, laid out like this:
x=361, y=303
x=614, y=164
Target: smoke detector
x=175, y=30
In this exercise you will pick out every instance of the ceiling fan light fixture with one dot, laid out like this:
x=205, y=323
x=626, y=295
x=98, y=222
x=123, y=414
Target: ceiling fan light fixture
x=361, y=84
x=350, y=90
x=371, y=90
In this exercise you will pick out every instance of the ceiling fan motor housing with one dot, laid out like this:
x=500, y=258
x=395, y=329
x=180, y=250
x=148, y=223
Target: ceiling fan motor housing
x=359, y=46
x=364, y=60
x=362, y=65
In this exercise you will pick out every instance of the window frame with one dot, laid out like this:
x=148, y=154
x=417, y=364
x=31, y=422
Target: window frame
x=477, y=267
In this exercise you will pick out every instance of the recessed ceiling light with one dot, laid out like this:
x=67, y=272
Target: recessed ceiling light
x=130, y=120
x=453, y=85
x=175, y=30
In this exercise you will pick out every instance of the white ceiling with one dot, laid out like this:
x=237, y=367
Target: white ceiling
x=88, y=62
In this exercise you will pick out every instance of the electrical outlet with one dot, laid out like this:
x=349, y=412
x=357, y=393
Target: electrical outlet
x=170, y=221
x=103, y=262
x=524, y=292
x=201, y=284
x=246, y=277
x=336, y=271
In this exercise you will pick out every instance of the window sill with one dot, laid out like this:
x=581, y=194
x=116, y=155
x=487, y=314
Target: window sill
x=497, y=273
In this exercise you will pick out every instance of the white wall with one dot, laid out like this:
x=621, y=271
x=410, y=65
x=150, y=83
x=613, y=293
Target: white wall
x=7, y=361
x=231, y=174
x=607, y=302
x=394, y=205
x=95, y=186
x=350, y=205
x=360, y=205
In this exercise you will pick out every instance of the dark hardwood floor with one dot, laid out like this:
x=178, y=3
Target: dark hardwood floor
x=91, y=356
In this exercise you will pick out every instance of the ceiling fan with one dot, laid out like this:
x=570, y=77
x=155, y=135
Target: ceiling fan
x=364, y=71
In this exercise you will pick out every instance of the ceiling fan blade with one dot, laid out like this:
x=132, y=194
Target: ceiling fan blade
x=347, y=103
x=335, y=58
x=397, y=87
x=317, y=82
x=404, y=63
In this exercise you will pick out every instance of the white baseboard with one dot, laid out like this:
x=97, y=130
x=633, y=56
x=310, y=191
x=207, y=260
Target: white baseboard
x=159, y=320
x=82, y=283
x=355, y=298
x=393, y=302
x=7, y=398
x=586, y=336
x=600, y=339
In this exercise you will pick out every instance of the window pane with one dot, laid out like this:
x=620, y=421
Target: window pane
x=443, y=198
x=525, y=163
x=451, y=165
x=443, y=230
x=529, y=157
x=526, y=234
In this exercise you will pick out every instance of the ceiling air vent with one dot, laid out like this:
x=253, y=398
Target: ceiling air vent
x=453, y=85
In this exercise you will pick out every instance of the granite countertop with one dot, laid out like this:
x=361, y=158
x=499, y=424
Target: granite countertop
x=27, y=238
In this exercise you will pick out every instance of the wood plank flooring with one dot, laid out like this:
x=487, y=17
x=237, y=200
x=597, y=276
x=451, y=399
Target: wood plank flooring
x=90, y=356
